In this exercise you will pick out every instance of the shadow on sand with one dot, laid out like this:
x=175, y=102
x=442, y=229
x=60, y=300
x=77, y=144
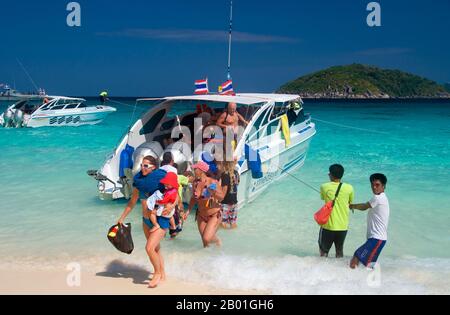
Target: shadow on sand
x=119, y=269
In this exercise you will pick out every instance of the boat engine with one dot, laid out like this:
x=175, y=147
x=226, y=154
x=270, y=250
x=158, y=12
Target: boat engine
x=18, y=118
x=147, y=149
x=8, y=117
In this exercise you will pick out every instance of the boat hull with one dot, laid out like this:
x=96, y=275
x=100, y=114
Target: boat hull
x=75, y=119
x=275, y=169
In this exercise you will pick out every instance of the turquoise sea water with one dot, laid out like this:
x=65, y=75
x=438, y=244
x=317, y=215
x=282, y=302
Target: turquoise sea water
x=51, y=215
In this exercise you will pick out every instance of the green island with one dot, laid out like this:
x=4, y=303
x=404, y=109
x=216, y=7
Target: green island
x=357, y=81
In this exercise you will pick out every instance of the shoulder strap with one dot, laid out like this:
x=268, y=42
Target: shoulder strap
x=337, y=192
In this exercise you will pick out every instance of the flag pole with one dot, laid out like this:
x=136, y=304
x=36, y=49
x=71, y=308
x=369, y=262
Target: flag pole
x=229, y=41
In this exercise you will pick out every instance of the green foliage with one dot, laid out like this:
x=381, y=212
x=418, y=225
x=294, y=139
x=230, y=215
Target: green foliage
x=365, y=80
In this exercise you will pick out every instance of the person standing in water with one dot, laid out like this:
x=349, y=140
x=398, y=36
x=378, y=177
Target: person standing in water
x=229, y=182
x=335, y=230
x=377, y=223
x=104, y=97
x=206, y=193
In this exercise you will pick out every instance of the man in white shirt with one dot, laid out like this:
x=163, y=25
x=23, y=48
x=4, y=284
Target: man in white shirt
x=167, y=163
x=377, y=223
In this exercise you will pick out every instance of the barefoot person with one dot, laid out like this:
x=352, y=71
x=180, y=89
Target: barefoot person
x=229, y=182
x=377, y=223
x=206, y=193
x=146, y=183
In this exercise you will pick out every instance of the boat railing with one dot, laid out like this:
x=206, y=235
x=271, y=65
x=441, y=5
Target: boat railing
x=262, y=130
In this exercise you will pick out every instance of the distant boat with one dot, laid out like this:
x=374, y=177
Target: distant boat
x=52, y=111
x=11, y=95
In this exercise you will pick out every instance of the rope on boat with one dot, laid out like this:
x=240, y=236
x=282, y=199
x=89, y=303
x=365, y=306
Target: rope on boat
x=125, y=104
x=302, y=181
x=350, y=127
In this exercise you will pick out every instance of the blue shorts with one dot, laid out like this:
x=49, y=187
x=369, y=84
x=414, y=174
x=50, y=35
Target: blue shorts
x=143, y=196
x=164, y=223
x=368, y=253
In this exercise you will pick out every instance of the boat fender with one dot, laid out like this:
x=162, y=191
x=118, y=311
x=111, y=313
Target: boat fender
x=126, y=160
x=254, y=162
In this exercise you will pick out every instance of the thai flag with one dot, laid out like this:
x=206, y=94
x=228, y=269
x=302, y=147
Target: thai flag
x=226, y=88
x=201, y=87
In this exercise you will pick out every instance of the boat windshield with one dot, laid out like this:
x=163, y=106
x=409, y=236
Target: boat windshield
x=63, y=103
x=172, y=113
x=183, y=107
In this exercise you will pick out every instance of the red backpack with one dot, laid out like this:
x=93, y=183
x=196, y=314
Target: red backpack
x=323, y=215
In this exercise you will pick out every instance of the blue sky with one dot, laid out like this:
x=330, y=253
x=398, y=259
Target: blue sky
x=156, y=48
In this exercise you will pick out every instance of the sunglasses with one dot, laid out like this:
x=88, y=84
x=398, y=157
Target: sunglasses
x=147, y=166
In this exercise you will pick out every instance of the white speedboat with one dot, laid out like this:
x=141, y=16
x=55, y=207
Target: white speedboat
x=45, y=111
x=275, y=142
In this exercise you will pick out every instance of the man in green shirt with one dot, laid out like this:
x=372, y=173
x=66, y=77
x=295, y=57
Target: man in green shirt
x=335, y=230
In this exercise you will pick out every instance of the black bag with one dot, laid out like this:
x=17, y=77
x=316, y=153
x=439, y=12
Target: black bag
x=120, y=237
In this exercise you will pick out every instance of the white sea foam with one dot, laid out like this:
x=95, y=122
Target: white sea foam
x=278, y=275
x=312, y=275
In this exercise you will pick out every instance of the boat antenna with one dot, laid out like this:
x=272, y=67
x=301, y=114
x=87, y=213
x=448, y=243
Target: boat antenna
x=29, y=76
x=229, y=41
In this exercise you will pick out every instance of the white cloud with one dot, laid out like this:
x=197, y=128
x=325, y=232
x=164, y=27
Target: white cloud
x=193, y=35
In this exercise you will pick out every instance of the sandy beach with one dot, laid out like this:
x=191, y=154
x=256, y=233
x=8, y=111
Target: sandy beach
x=125, y=282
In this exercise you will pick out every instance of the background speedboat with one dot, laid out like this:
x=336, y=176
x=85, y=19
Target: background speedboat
x=53, y=111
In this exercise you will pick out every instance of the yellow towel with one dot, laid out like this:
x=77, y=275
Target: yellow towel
x=286, y=130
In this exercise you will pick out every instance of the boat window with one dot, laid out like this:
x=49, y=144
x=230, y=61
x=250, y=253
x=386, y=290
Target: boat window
x=19, y=105
x=188, y=120
x=82, y=105
x=57, y=107
x=248, y=111
x=273, y=127
x=151, y=125
x=279, y=110
x=262, y=119
x=167, y=125
x=71, y=106
x=299, y=118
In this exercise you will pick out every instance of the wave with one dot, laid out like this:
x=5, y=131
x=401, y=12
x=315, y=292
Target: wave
x=286, y=275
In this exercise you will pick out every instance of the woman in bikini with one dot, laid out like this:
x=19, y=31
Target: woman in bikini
x=206, y=194
x=146, y=183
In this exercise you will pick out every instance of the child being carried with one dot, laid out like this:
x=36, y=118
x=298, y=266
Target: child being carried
x=158, y=202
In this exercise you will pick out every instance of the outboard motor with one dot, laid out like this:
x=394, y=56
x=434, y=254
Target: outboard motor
x=147, y=149
x=18, y=118
x=180, y=152
x=8, y=117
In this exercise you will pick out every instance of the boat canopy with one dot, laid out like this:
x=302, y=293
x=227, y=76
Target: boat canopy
x=245, y=99
x=64, y=98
